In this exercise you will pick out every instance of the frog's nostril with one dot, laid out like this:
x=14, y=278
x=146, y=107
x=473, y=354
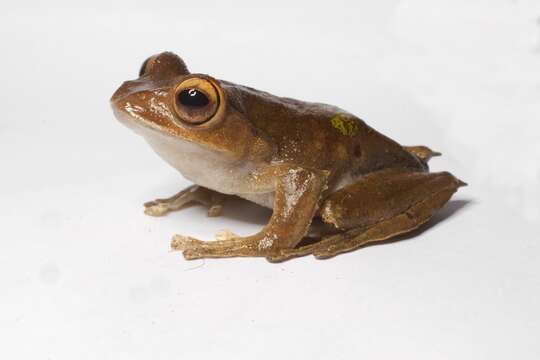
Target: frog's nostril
x=117, y=95
x=122, y=91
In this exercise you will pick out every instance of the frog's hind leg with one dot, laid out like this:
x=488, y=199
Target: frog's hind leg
x=376, y=208
x=193, y=194
x=385, y=204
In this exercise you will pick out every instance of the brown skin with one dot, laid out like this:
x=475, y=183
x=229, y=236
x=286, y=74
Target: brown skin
x=304, y=160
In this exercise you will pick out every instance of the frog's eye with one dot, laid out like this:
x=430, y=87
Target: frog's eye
x=196, y=101
x=165, y=64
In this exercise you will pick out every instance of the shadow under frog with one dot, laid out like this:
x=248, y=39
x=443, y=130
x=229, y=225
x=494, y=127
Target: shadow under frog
x=303, y=160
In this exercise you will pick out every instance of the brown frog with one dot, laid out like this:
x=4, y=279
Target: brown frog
x=303, y=160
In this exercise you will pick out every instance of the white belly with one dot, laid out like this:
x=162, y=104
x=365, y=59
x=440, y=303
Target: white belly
x=208, y=168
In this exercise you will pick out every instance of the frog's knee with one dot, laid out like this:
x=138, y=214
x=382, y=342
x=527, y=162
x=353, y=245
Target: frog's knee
x=331, y=213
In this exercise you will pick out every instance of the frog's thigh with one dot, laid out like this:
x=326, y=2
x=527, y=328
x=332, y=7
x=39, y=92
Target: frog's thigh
x=382, y=205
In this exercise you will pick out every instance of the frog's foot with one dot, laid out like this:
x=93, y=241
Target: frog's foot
x=227, y=244
x=193, y=194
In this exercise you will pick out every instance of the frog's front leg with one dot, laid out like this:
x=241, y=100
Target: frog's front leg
x=198, y=194
x=297, y=194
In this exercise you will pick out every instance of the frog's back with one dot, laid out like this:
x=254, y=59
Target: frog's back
x=319, y=135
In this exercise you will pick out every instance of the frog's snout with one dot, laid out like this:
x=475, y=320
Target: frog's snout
x=122, y=92
x=125, y=102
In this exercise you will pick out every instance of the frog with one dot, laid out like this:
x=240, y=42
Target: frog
x=333, y=183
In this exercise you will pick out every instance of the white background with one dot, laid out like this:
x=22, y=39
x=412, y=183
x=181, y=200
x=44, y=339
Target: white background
x=84, y=274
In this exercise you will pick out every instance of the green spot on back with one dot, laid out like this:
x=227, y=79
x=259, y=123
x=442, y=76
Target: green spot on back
x=344, y=124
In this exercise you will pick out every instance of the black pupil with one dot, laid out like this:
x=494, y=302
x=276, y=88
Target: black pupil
x=193, y=97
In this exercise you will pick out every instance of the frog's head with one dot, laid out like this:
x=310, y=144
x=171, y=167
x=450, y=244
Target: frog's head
x=168, y=100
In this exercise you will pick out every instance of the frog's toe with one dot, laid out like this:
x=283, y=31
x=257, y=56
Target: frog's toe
x=192, y=254
x=154, y=208
x=182, y=243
